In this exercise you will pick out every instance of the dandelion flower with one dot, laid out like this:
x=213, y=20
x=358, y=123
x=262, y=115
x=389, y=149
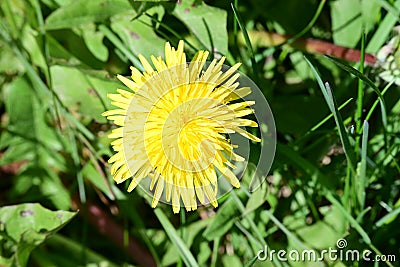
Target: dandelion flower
x=174, y=127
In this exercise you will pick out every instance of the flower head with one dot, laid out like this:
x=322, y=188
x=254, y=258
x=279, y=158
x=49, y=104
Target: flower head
x=174, y=127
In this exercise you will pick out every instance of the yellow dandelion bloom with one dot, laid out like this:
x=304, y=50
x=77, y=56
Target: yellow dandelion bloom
x=174, y=127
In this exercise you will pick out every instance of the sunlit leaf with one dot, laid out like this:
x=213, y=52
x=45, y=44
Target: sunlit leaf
x=81, y=12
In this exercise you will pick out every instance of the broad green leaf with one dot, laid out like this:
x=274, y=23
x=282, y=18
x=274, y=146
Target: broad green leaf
x=83, y=91
x=29, y=42
x=223, y=221
x=370, y=12
x=81, y=12
x=346, y=22
x=94, y=42
x=28, y=225
x=195, y=15
x=137, y=35
x=29, y=240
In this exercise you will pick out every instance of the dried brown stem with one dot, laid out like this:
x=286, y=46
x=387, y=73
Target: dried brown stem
x=310, y=45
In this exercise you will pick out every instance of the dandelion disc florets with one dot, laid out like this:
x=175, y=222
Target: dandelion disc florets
x=174, y=127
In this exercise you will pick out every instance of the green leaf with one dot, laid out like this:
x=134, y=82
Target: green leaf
x=93, y=175
x=231, y=260
x=388, y=218
x=28, y=136
x=348, y=216
x=331, y=102
x=191, y=232
x=83, y=91
x=29, y=240
x=82, y=12
x=175, y=239
x=224, y=220
x=346, y=22
x=194, y=16
x=370, y=11
x=28, y=225
x=94, y=42
x=259, y=196
x=7, y=56
x=252, y=261
x=138, y=36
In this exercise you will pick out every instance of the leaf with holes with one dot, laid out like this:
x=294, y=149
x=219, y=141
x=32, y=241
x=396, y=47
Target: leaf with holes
x=28, y=225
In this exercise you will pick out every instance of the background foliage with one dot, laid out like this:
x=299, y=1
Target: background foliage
x=330, y=180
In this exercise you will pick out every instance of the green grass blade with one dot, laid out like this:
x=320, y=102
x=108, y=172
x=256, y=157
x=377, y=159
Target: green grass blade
x=215, y=252
x=286, y=231
x=310, y=24
x=330, y=115
x=247, y=40
x=183, y=250
x=388, y=217
x=360, y=94
x=331, y=102
x=212, y=49
x=391, y=9
x=320, y=83
x=353, y=222
x=372, y=85
x=350, y=218
x=356, y=73
x=362, y=167
x=118, y=44
x=319, y=124
x=252, y=261
x=172, y=31
x=385, y=27
x=341, y=128
x=45, y=93
x=242, y=209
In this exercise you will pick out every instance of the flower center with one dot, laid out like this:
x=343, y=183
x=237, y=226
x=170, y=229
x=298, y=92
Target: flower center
x=176, y=127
